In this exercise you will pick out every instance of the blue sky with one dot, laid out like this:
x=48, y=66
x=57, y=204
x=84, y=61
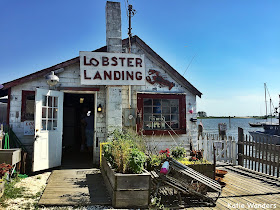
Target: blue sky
x=235, y=43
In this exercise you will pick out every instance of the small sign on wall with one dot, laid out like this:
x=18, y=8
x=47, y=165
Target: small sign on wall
x=29, y=127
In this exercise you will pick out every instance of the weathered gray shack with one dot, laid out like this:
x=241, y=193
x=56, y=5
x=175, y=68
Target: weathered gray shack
x=131, y=84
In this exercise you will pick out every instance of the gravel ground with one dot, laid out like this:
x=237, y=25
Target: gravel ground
x=33, y=187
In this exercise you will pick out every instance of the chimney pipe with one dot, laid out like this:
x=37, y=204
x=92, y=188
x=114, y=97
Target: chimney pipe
x=113, y=27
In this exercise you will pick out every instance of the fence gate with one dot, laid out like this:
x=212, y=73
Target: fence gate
x=226, y=150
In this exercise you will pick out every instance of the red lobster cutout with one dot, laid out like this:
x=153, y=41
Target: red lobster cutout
x=158, y=79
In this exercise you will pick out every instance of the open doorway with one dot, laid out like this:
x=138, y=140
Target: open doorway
x=78, y=116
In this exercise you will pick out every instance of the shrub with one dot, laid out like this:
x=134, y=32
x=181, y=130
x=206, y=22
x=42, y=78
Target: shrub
x=178, y=152
x=125, y=152
x=136, y=161
x=154, y=161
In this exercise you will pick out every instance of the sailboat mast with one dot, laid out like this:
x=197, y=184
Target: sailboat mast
x=265, y=100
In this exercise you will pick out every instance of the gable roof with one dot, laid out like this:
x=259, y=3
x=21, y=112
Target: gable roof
x=135, y=39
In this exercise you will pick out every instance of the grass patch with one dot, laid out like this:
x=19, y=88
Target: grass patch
x=12, y=192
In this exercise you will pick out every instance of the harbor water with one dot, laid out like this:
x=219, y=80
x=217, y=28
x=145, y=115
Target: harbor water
x=210, y=125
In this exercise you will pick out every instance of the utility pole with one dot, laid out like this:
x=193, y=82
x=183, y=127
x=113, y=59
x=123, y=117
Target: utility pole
x=131, y=13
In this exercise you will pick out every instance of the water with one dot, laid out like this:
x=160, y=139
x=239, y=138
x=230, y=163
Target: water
x=210, y=125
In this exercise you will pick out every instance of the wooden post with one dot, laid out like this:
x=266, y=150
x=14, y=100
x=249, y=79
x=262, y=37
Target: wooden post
x=240, y=146
x=258, y=140
x=214, y=149
x=270, y=155
x=247, y=154
x=262, y=146
x=266, y=155
x=278, y=161
x=274, y=158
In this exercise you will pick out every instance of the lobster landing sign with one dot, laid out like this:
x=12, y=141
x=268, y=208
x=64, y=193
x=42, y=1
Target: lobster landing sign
x=97, y=68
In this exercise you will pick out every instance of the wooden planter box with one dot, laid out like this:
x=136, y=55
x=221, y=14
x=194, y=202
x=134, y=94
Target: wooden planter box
x=10, y=156
x=126, y=190
x=205, y=169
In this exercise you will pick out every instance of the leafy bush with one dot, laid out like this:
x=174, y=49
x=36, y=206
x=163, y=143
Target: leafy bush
x=179, y=152
x=136, y=161
x=154, y=161
x=125, y=152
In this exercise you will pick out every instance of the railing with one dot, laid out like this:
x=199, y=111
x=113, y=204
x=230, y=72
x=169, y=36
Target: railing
x=259, y=152
x=225, y=150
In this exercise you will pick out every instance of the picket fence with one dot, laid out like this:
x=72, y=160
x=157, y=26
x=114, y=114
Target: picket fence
x=225, y=149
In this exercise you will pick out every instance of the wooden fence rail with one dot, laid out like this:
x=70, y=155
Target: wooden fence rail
x=259, y=152
x=226, y=150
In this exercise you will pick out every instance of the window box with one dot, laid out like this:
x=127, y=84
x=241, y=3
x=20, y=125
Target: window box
x=161, y=113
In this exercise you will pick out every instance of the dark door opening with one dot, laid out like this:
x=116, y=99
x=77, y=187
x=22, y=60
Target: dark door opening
x=75, y=152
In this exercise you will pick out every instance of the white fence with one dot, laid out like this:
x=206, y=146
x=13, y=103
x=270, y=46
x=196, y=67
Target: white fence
x=225, y=150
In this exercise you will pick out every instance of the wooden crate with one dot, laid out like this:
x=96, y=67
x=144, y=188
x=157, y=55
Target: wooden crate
x=126, y=190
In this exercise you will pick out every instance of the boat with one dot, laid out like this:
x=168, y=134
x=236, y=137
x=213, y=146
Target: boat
x=271, y=130
x=257, y=124
x=260, y=124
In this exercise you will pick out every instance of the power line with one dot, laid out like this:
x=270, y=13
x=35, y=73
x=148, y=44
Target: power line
x=189, y=64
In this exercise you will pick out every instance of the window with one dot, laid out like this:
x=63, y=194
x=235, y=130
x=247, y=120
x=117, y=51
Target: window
x=27, y=105
x=161, y=113
x=49, y=113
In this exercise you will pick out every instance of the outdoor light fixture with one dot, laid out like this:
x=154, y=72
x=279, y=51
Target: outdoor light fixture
x=82, y=100
x=52, y=79
x=99, y=108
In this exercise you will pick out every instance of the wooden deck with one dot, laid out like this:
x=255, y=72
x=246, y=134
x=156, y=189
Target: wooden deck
x=86, y=187
x=245, y=187
x=75, y=187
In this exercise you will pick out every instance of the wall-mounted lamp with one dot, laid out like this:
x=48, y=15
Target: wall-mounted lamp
x=82, y=100
x=99, y=108
x=52, y=79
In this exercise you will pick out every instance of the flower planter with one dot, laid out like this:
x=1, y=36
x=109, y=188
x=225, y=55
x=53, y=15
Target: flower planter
x=126, y=190
x=205, y=169
x=10, y=156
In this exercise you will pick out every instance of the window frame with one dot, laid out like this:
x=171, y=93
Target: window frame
x=24, y=95
x=182, y=113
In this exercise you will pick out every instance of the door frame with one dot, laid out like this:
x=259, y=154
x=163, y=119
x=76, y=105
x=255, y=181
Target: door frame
x=94, y=93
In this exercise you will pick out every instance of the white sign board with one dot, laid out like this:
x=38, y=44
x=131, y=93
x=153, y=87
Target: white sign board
x=102, y=68
x=29, y=127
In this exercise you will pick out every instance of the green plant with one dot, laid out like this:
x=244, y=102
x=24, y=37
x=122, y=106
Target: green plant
x=136, y=161
x=179, y=152
x=154, y=161
x=4, y=168
x=125, y=152
x=156, y=203
x=186, y=161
